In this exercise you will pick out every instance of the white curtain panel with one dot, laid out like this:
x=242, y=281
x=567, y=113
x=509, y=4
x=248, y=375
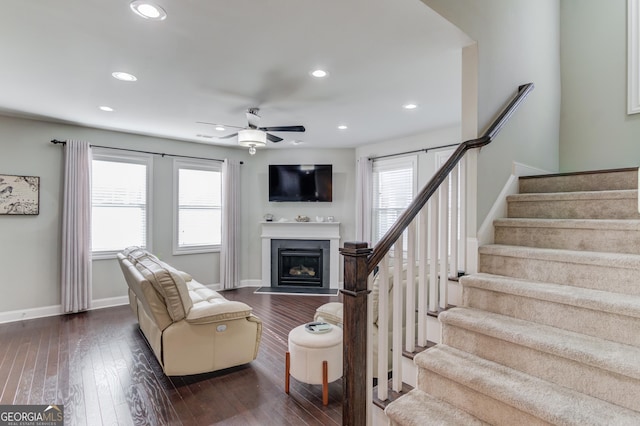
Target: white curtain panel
x=76, y=228
x=364, y=182
x=230, y=249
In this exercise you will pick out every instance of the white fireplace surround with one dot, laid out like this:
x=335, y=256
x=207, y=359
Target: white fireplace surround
x=301, y=231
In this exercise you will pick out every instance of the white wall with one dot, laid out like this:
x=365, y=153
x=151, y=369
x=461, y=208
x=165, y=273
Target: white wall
x=426, y=160
x=256, y=186
x=518, y=42
x=30, y=249
x=596, y=132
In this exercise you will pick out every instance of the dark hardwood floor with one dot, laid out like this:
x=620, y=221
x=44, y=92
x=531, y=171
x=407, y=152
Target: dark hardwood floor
x=99, y=366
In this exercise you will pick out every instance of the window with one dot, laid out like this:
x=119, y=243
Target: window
x=633, y=12
x=120, y=198
x=394, y=187
x=198, y=206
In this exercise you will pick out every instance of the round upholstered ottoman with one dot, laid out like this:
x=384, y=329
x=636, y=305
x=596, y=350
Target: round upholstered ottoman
x=314, y=358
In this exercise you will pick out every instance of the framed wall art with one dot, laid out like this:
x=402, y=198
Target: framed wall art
x=19, y=195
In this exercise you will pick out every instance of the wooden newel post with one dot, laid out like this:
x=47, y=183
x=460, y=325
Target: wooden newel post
x=354, y=378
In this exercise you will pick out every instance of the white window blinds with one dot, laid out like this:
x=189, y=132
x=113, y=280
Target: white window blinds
x=119, y=197
x=394, y=187
x=199, y=206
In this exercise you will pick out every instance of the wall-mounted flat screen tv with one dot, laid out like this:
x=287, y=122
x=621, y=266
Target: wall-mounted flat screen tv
x=301, y=182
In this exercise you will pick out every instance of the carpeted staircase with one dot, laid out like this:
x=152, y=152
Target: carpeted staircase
x=549, y=331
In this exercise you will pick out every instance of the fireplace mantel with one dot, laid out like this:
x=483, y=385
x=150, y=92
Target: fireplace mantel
x=301, y=231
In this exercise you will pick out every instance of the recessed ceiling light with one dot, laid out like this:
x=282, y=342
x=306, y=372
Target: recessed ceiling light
x=319, y=73
x=105, y=108
x=148, y=10
x=220, y=128
x=342, y=127
x=410, y=106
x=124, y=76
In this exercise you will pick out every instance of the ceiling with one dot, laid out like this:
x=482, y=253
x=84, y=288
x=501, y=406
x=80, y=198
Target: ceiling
x=210, y=60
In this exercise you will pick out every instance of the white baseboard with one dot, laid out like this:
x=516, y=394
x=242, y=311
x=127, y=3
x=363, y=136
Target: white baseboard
x=499, y=208
x=30, y=313
x=109, y=302
x=251, y=283
x=50, y=311
x=520, y=169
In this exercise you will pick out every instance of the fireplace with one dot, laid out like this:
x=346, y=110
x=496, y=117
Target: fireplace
x=300, y=263
x=305, y=236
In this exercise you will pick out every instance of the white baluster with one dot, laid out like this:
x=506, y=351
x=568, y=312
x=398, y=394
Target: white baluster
x=370, y=348
x=462, y=259
x=453, y=214
x=398, y=314
x=423, y=278
x=443, y=193
x=410, y=308
x=383, y=327
x=433, y=253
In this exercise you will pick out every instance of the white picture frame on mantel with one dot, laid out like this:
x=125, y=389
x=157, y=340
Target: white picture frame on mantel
x=633, y=44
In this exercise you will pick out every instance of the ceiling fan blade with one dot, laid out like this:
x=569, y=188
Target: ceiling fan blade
x=228, y=136
x=273, y=138
x=218, y=124
x=283, y=129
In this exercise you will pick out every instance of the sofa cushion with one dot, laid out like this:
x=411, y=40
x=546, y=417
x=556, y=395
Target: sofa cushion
x=169, y=284
x=185, y=276
x=135, y=254
x=331, y=312
x=210, y=306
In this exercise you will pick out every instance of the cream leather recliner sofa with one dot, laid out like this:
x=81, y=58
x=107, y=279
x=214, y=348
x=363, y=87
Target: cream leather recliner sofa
x=190, y=328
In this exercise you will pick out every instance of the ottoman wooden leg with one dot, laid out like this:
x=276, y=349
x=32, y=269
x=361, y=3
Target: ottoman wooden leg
x=325, y=383
x=287, y=366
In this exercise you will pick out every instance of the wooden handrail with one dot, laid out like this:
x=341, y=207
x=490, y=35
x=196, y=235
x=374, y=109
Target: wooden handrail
x=386, y=243
x=360, y=260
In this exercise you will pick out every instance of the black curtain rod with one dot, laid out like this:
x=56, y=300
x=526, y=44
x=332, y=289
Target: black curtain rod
x=414, y=151
x=56, y=142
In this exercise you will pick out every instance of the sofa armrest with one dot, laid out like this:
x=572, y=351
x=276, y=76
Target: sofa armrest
x=216, y=310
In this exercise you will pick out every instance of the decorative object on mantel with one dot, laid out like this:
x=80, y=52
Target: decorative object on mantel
x=319, y=218
x=268, y=217
x=19, y=195
x=330, y=218
x=300, y=218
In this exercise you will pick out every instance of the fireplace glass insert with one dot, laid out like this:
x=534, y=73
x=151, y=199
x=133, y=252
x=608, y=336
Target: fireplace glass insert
x=300, y=267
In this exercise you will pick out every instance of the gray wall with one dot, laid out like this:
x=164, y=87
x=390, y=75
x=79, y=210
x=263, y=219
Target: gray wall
x=596, y=132
x=30, y=249
x=518, y=42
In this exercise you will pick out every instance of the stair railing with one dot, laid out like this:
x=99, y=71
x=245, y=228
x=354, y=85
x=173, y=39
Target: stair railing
x=425, y=225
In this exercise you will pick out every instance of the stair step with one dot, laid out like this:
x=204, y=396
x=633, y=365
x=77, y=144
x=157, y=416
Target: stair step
x=597, y=313
x=596, y=270
x=503, y=396
x=391, y=396
x=418, y=408
x=598, y=180
x=597, y=367
x=620, y=204
x=613, y=236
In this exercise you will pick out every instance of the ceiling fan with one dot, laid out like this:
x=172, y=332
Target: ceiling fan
x=253, y=136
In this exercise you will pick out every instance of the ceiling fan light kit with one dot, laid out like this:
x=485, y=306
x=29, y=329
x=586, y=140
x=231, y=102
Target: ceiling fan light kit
x=256, y=137
x=252, y=138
